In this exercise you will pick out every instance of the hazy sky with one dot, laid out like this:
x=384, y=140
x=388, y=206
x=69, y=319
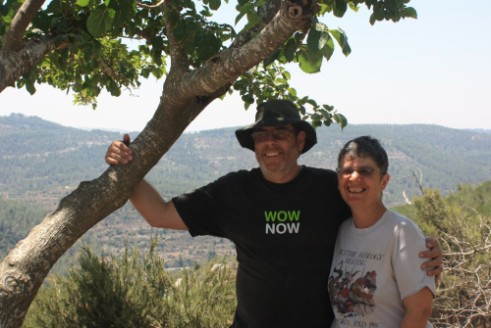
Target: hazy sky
x=435, y=70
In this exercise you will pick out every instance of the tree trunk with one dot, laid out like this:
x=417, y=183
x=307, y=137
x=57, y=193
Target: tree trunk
x=25, y=267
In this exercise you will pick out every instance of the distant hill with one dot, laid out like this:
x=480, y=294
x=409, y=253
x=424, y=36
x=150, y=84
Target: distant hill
x=40, y=162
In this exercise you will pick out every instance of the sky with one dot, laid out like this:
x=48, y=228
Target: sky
x=432, y=70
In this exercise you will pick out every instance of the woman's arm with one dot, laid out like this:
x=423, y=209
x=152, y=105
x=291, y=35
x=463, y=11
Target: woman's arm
x=418, y=309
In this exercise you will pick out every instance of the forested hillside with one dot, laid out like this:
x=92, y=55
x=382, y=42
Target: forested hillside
x=40, y=162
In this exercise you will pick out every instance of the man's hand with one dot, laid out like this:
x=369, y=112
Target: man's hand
x=433, y=266
x=119, y=152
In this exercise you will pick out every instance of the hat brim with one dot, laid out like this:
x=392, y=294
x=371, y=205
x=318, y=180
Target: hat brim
x=245, y=139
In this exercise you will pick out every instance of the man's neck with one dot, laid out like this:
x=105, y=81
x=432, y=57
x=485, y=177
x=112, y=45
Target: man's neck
x=282, y=177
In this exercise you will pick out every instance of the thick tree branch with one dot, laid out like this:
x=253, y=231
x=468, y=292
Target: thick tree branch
x=15, y=64
x=22, y=19
x=157, y=5
x=224, y=68
x=179, y=58
x=266, y=13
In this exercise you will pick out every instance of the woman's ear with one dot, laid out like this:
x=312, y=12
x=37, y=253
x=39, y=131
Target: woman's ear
x=385, y=181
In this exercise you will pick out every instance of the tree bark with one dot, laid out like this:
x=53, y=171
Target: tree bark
x=184, y=96
x=13, y=64
x=16, y=57
x=24, y=16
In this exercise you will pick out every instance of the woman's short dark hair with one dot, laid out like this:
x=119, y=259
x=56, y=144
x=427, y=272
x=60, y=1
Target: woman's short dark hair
x=366, y=146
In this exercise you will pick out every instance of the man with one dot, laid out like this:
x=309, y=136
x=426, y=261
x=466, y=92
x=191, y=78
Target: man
x=282, y=217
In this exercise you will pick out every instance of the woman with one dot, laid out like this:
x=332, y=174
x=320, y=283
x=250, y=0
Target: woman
x=374, y=279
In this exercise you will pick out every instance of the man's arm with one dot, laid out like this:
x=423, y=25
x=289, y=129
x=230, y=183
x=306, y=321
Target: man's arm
x=154, y=209
x=418, y=309
x=119, y=152
x=147, y=201
x=433, y=265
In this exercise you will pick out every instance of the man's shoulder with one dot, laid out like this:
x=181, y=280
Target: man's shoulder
x=324, y=178
x=240, y=175
x=243, y=172
x=320, y=171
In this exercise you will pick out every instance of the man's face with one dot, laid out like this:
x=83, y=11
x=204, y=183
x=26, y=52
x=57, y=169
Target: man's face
x=277, y=150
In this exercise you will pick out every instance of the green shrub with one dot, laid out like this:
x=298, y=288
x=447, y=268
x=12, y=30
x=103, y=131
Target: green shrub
x=464, y=296
x=135, y=291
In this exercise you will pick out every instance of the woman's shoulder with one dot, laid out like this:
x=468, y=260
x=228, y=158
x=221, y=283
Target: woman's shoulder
x=402, y=223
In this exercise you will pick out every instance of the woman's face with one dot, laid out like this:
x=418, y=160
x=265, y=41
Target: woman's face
x=360, y=181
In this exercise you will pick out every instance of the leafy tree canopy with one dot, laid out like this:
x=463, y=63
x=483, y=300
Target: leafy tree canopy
x=113, y=44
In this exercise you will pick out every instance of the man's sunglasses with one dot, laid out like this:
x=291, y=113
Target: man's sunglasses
x=278, y=135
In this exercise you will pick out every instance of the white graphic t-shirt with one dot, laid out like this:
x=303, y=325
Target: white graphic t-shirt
x=374, y=269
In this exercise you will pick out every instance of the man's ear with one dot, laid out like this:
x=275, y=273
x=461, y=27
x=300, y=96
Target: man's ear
x=301, y=136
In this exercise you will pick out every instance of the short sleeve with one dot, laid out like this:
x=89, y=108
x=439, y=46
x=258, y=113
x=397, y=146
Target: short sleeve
x=406, y=261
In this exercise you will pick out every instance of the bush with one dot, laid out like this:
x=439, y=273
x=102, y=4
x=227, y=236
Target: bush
x=134, y=291
x=464, y=295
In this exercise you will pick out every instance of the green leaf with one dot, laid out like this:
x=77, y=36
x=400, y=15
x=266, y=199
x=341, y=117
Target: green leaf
x=409, y=13
x=328, y=108
x=82, y=3
x=243, y=10
x=253, y=18
x=327, y=46
x=342, y=40
x=372, y=19
x=292, y=92
x=310, y=61
x=209, y=45
x=340, y=8
x=180, y=30
x=215, y=4
x=340, y=119
x=378, y=11
x=327, y=118
x=248, y=99
x=100, y=21
x=8, y=18
x=290, y=49
x=353, y=7
x=311, y=102
x=30, y=87
x=271, y=58
x=313, y=39
x=124, y=12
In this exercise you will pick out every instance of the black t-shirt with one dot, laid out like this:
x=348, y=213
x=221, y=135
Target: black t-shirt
x=284, y=236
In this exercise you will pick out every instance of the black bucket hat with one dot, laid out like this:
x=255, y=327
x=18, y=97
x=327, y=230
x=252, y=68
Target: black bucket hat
x=277, y=113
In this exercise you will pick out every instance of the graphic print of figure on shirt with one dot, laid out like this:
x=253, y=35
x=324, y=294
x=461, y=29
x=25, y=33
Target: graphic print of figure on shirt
x=352, y=296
